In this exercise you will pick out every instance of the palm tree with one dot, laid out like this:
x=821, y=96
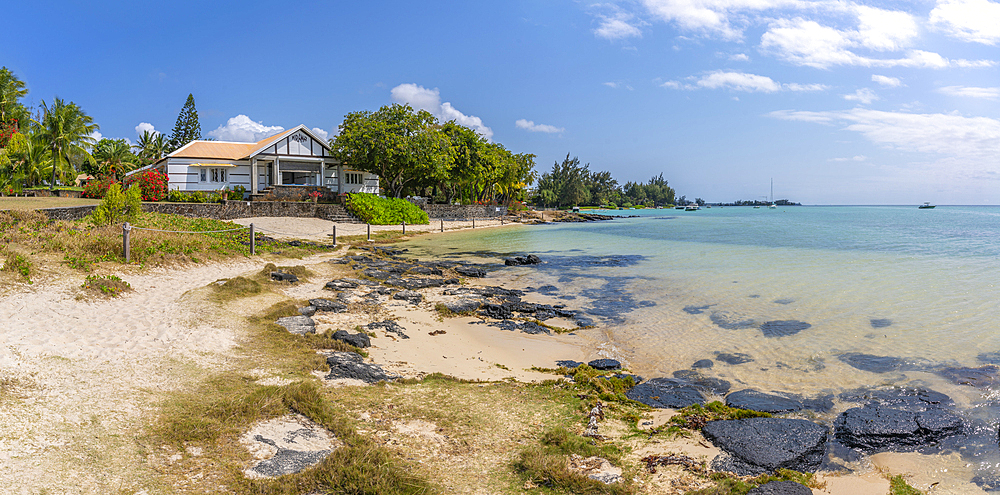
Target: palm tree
x=67, y=129
x=151, y=147
x=114, y=156
x=11, y=91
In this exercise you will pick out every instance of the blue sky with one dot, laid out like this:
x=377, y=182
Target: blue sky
x=841, y=102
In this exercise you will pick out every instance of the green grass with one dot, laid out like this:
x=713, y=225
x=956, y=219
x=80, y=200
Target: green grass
x=695, y=416
x=899, y=486
x=728, y=484
x=545, y=465
x=106, y=285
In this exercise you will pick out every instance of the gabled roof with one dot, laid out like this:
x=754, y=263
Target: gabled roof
x=227, y=150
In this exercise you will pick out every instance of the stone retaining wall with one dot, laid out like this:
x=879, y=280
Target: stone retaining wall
x=246, y=209
x=463, y=212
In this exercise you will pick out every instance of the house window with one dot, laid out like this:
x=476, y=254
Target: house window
x=204, y=174
x=352, y=178
x=216, y=174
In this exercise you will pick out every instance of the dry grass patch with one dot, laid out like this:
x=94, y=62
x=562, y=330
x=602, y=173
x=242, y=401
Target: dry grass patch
x=28, y=204
x=105, y=285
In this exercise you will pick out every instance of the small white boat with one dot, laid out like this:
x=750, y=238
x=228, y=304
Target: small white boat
x=926, y=206
x=692, y=207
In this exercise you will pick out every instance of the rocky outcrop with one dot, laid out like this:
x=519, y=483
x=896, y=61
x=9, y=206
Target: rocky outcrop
x=522, y=260
x=387, y=326
x=754, y=400
x=350, y=365
x=420, y=283
x=605, y=364
x=298, y=324
x=897, y=419
x=359, y=340
x=326, y=305
x=284, y=277
x=410, y=296
x=470, y=271
x=663, y=393
x=287, y=445
x=761, y=445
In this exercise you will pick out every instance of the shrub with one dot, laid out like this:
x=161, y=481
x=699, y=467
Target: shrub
x=237, y=193
x=108, y=285
x=118, y=206
x=152, y=184
x=377, y=210
x=97, y=189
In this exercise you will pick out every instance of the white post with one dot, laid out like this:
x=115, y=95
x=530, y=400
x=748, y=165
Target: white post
x=254, y=178
x=277, y=173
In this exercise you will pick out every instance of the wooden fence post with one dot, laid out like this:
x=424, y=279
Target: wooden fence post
x=404, y=227
x=334, y=235
x=253, y=241
x=442, y=225
x=473, y=222
x=126, y=251
x=369, y=232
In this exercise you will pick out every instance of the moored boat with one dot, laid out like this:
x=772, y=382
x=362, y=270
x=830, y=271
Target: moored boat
x=926, y=206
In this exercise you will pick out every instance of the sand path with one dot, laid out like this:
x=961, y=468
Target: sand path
x=319, y=230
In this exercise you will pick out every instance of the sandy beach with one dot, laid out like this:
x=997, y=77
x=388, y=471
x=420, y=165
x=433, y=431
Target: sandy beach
x=84, y=375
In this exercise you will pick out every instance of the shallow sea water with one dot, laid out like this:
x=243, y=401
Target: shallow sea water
x=672, y=287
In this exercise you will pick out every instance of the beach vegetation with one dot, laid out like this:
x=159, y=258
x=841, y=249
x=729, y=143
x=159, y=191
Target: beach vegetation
x=106, y=285
x=695, y=416
x=377, y=210
x=235, y=288
x=16, y=263
x=899, y=486
x=545, y=464
x=731, y=484
x=119, y=205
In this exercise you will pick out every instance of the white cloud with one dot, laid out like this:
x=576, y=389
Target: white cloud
x=96, y=136
x=856, y=158
x=741, y=81
x=723, y=18
x=885, y=30
x=320, y=133
x=739, y=57
x=145, y=127
x=617, y=27
x=975, y=21
x=618, y=85
x=886, y=81
x=974, y=139
x=533, y=127
x=863, y=95
x=241, y=129
x=422, y=98
x=972, y=92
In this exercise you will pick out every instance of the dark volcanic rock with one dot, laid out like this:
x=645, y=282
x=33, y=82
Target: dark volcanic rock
x=341, y=284
x=528, y=327
x=410, y=296
x=284, y=277
x=708, y=384
x=298, y=324
x=666, y=393
x=754, y=400
x=734, y=358
x=696, y=310
x=783, y=328
x=419, y=283
x=376, y=274
x=982, y=377
x=879, y=428
x=525, y=260
x=288, y=461
x=359, y=340
x=567, y=363
x=880, y=322
x=351, y=365
x=781, y=488
x=387, y=326
x=605, y=364
x=307, y=310
x=328, y=305
x=762, y=445
x=463, y=305
x=470, y=271
x=703, y=363
x=868, y=362
x=424, y=270
x=730, y=321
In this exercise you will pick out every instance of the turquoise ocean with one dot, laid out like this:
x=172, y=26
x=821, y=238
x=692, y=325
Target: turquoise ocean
x=668, y=288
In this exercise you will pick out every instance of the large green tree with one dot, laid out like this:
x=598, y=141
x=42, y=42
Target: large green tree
x=405, y=148
x=114, y=157
x=13, y=114
x=68, y=131
x=187, y=128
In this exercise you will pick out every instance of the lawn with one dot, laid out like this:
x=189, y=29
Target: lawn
x=36, y=203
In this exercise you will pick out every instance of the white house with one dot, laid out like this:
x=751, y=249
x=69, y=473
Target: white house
x=296, y=157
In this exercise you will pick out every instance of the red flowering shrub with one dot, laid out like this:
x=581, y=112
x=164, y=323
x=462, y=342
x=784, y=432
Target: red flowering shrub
x=7, y=131
x=97, y=189
x=152, y=183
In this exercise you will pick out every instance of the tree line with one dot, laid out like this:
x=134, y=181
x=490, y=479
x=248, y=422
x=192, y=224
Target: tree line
x=572, y=184
x=55, y=142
